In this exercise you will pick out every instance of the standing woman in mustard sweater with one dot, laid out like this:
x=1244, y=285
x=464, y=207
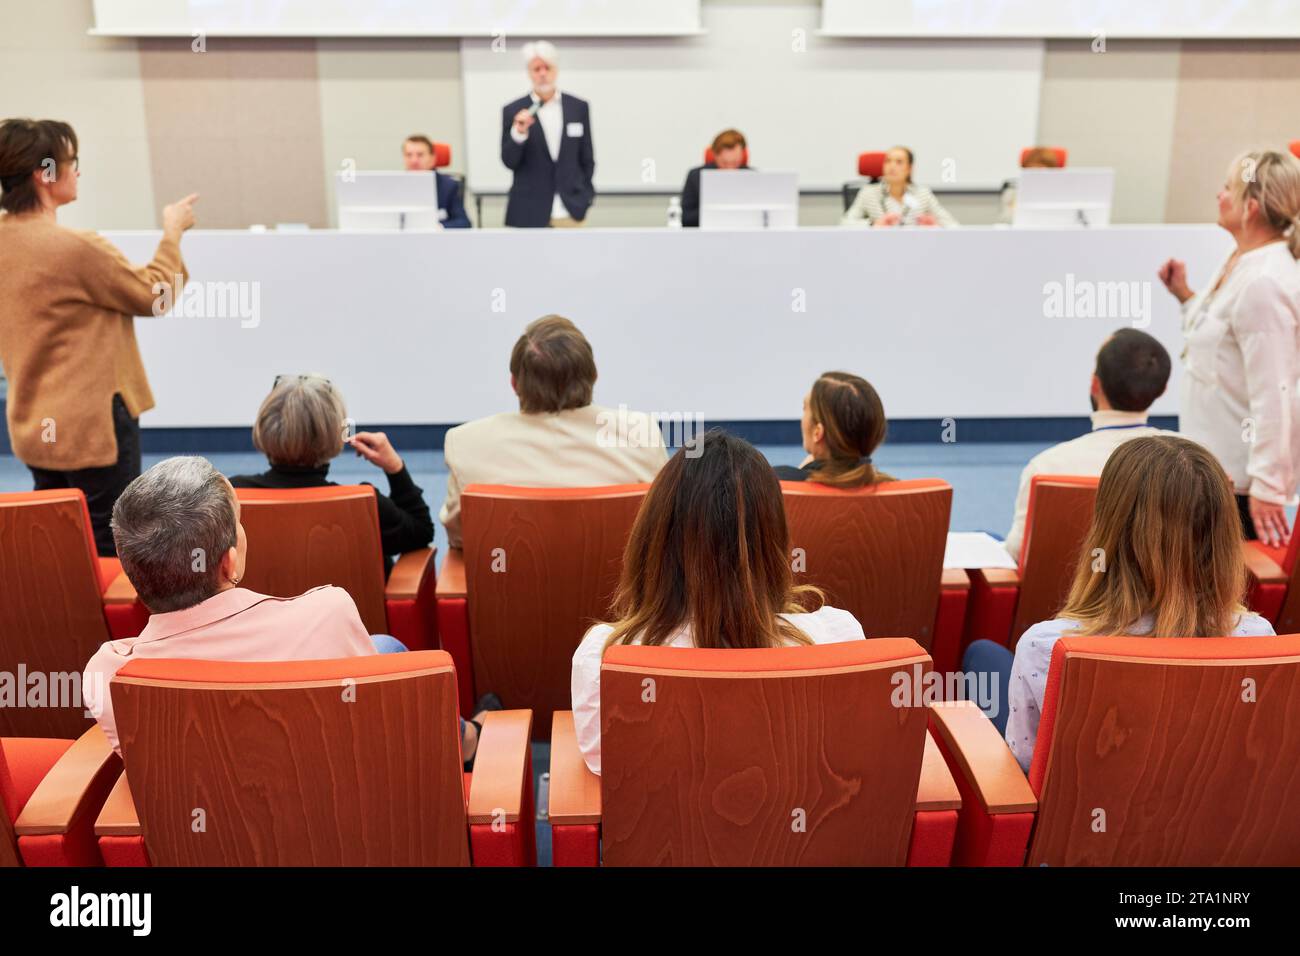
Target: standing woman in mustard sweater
x=77, y=384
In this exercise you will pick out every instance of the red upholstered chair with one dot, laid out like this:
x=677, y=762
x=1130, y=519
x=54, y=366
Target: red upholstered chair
x=878, y=552
x=1275, y=582
x=301, y=538
x=441, y=155
x=708, y=156
x=539, y=566
x=50, y=792
x=1004, y=604
x=871, y=164
x=350, y=762
x=1294, y=146
x=776, y=757
x=61, y=602
x=1150, y=752
x=1060, y=151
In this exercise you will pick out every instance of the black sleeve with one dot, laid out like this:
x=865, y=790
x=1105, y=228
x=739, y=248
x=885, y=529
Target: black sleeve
x=691, y=199
x=587, y=159
x=457, y=218
x=404, y=520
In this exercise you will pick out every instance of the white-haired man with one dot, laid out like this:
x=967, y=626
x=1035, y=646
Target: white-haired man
x=546, y=142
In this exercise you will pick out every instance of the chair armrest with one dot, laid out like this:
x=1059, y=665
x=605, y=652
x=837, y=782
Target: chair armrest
x=451, y=582
x=954, y=579
x=997, y=577
x=982, y=757
x=575, y=790
x=1261, y=567
x=77, y=784
x=936, y=790
x=121, y=591
x=409, y=573
x=501, y=767
x=118, y=818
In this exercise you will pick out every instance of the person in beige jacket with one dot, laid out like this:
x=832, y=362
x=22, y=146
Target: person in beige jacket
x=558, y=438
x=68, y=298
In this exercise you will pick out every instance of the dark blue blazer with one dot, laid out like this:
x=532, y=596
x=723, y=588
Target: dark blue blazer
x=449, y=199
x=537, y=179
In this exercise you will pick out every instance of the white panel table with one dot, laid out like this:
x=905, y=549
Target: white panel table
x=417, y=328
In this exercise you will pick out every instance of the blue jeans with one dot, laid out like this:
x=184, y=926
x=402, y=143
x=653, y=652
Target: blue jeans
x=992, y=658
x=387, y=644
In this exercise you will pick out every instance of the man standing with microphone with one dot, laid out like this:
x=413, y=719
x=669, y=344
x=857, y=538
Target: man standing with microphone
x=546, y=141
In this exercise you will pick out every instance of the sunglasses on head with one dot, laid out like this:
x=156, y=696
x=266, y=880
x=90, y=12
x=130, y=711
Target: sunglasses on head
x=285, y=379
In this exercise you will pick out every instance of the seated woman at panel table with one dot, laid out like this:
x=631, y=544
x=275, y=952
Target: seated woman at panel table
x=896, y=200
x=684, y=564
x=843, y=424
x=181, y=505
x=1166, y=522
x=300, y=428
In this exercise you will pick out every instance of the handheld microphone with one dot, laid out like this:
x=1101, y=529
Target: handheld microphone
x=532, y=110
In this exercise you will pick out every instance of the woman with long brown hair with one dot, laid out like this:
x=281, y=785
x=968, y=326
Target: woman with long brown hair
x=1162, y=559
x=707, y=565
x=843, y=424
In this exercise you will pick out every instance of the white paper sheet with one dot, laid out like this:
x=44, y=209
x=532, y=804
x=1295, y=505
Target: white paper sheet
x=976, y=549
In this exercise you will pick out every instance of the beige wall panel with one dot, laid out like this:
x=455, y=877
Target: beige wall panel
x=240, y=124
x=1231, y=97
x=1114, y=109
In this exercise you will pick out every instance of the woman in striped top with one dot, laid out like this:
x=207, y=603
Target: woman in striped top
x=896, y=200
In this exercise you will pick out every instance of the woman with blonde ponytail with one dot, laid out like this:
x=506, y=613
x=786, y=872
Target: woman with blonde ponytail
x=1162, y=559
x=843, y=424
x=1240, y=394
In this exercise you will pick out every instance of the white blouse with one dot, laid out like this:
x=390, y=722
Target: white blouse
x=1034, y=659
x=827, y=625
x=1241, y=393
x=875, y=199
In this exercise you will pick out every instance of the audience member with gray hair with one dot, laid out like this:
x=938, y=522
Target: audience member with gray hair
x=302, y=426
x=182, y=546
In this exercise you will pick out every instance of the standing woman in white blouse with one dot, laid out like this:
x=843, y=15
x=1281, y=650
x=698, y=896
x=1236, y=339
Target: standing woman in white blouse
x=896, y=200
x=1242, y=356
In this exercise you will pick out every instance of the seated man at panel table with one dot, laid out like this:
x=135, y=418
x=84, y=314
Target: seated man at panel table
x=1131, y=373
x=418, y=155
x=558, y=438
x=729, y=149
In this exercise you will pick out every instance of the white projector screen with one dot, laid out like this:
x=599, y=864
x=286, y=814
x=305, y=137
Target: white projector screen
x=805, y=104
x=361, y=18
x=1169, y=19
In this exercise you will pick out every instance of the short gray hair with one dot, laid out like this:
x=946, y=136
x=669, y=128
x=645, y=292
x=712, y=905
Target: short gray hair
x=172, y=526
x=544, y=49
x=301, y=423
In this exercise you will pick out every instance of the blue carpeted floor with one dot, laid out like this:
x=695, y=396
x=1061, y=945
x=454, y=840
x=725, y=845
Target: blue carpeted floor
x=983, y=475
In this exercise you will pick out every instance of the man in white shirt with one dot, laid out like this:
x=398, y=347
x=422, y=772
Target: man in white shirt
x=1132, y=372
x=558, y=438
x=546, y=142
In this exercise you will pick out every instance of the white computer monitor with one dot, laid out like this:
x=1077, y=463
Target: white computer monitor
x=390, y=201
x=1063, y=198
x=730, y=199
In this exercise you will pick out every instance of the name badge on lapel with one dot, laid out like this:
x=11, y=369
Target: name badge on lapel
x=442, y=214
x=574, y=129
